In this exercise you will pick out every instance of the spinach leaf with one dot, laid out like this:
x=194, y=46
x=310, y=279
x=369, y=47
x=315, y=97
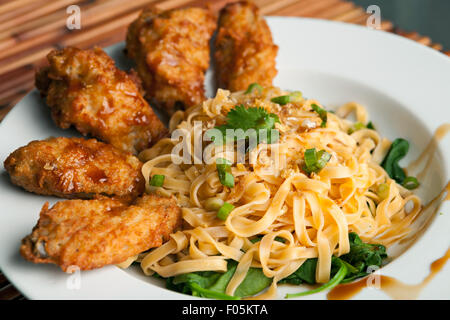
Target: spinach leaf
x=334, y=281
x=306, y=273
x=255, y=281
x=363, y=255
x=211, y=284
x=346, y=268
x=398, y=151
x=258, y=238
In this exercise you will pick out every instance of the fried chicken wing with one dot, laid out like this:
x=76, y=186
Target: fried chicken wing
x=75, y=168
x=245, y=52
x=171, y=50
x=84, y=88
x=94, y=233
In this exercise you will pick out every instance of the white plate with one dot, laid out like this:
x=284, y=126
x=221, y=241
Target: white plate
x=405, y=86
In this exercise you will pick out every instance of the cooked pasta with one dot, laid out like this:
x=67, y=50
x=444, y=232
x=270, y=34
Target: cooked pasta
x=273, y=196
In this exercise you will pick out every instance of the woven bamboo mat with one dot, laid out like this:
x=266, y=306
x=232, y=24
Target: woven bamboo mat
x=29, y=29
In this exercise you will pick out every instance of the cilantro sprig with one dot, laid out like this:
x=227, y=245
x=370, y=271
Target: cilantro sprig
x=255, y=118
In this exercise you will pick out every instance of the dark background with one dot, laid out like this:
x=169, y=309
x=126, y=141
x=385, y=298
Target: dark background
x=428, y=17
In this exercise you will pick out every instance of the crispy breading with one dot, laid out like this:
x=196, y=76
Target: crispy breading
x=84, y=88
x=75, y=168
x=94, y=233
x=245, y=52
x=171, y=50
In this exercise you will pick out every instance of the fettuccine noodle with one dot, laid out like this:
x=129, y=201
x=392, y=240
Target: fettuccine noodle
x=312, y=213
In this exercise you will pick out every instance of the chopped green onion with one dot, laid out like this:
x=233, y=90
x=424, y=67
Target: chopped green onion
x=383, y=190
x=323, y=158
x=310, y=157
x=338, y=277
x=157, y=180
x=281, y=100
x=410, y=183
x=213, y=204
x=294, y=96
x=315, y=161
x=224, y=171
x=322, y=114
x=359, y=126
x=225, y=210
x=252, y=87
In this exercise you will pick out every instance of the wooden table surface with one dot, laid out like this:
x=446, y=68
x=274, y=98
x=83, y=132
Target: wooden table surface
x=29, y=29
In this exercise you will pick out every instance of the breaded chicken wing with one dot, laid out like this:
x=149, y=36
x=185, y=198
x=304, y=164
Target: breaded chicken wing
x=84, y=88
x=75, y=168
x=171, y=50
x=94, y=233
x=245, y=52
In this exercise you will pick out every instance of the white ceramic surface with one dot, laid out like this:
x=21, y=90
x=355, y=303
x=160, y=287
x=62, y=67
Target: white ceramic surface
x=404, y=85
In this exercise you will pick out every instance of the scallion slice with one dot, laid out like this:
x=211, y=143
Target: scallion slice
x=310, y=157
x=225, y=210
x=322, y=114
x=157, y=180
x=224, y=171
x=252, y=87
x=294, y=96
x=315, y=161
x=410, y=183
x=383, y=190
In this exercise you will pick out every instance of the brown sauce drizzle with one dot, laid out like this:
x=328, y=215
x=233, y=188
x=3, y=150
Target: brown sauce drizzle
x=427, y=154
x=392, y=287
x=97, y=175
x=447, y=188
x=428, y=212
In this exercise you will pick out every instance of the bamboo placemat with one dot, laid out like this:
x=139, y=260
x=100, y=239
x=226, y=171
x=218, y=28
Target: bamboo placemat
x=29, y=29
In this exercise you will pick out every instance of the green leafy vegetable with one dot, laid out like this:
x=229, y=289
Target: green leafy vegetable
x=306, y=273
x=355, y=263
x=315, y=161
x=255, y=281
x=322, y=114
x=258, y=238
x=199, y=283
x=209, y=284
x=252, y=87
x=337, y=278
x=294, y=96
x=157, y=180
x=397, y=151
x=224, y=171
x=348, y=267
x=363, y=255
x=224, y=211
x=370, y=126
x=250, y=118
